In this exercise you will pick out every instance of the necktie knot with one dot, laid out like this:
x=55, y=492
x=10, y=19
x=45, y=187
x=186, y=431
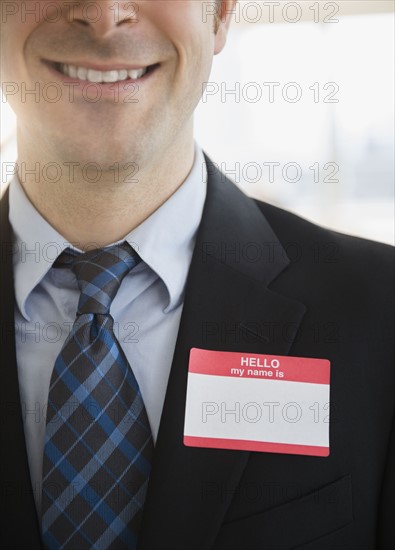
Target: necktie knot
x=99, y=274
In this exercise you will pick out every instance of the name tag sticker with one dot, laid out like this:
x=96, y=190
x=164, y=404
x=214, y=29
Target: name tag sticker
x=253, y=402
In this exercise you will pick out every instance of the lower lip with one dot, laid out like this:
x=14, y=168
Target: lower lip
x=125, y=90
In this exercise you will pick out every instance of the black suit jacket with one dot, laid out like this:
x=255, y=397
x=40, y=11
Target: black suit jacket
x=263, y=281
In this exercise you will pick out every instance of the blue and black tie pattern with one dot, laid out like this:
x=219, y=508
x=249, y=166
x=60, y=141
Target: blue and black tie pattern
x=98, y=443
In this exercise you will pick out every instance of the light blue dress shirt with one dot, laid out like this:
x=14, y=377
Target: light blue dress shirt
x=146, y=310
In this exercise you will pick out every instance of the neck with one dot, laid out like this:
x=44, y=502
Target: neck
x=90, y=213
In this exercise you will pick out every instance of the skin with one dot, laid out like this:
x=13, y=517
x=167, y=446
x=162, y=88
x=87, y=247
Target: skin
x=155, y=133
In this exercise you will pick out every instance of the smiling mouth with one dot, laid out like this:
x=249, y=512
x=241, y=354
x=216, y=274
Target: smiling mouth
x=87, y=74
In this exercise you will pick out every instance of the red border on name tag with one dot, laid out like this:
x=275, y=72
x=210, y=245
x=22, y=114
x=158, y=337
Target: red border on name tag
x=297, y=369
x=259, y=446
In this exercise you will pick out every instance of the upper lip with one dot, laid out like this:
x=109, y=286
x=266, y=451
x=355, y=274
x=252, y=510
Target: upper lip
x=108, y=66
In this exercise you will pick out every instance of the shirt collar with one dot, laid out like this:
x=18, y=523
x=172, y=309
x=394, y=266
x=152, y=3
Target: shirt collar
x=37, y=245
x=165, y=240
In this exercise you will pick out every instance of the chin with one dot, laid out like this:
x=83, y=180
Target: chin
x=97, y=149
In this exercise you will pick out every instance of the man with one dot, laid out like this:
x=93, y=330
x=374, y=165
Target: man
x=107, y=167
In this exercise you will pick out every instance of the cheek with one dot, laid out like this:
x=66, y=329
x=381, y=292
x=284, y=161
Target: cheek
x=185, y=25
x=14, y=34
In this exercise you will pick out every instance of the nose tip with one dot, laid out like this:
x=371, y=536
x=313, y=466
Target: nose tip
x=102, y=16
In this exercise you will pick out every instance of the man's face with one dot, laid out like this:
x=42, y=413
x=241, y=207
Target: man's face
x=75, y=56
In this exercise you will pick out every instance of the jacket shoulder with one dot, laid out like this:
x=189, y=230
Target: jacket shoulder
x=291, y=228
x=337, y=271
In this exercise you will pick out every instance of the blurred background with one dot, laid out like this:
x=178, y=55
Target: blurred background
x=299, y=111
x=327, y=119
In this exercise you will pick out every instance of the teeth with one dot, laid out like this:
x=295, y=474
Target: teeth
x=110, y=76
x=94, y=76
x=136, y=73
x=123, y=74
x=91, y=75
x=82, y=73
x=72, y=71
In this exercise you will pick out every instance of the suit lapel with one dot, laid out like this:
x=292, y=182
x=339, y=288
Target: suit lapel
x=228, y=306
x=20, y=522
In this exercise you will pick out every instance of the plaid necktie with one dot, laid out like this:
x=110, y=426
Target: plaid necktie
x=98, y=443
